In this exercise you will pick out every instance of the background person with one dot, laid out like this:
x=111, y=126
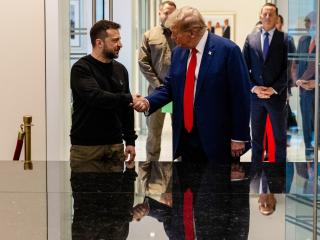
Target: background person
x=265, y=52
x=305, y=75
x=154, y=61
x=210, y=27
x=305, y=80
x=226, y=29
x=218, y=29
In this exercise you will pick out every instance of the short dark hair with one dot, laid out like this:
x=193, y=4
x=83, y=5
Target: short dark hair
x=270, y=5
x=170, y=3
x=99, y=30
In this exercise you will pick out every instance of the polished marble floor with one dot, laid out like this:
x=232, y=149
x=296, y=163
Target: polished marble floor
x=292, y=219
x=23, y=202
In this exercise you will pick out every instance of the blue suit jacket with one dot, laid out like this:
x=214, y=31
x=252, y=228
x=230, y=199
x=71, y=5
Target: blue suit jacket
x=269, y=72
x=222, y=101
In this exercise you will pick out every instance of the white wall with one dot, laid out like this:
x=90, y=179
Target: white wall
x=22, y=70
x=246, y=13
x=283, y=10
x=22, y=46
x=123, y=16
x=57, y=79
x=58, y=95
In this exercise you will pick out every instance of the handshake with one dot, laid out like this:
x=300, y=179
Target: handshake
x=139, y=103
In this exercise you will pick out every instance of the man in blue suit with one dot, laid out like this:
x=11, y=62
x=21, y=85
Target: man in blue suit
x=265, y=52
x=208, y=83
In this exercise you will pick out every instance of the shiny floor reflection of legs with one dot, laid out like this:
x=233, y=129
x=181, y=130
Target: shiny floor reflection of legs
x=283, y=224
x=260, y=226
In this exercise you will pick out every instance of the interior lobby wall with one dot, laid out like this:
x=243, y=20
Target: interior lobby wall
x=124, y=17
x=22, y=68
x=22, y=44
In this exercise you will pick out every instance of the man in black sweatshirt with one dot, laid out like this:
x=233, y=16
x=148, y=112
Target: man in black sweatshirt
x=101, y=120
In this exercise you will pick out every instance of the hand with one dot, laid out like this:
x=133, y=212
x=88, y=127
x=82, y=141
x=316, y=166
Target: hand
x=129, y=154
x=166, y=198
x=139, y=211
x=264, y=92
x=139, y=103
x=130, y=164
x=268, y=91
x=261, y=92
x=237, y=148
x=301, y=82
x=237, y=172
x=135, y=98
x=306, y=84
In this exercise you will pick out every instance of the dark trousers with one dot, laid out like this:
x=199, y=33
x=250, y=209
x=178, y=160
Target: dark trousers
x=307, y=102
x=214, y=205
x=275, y=172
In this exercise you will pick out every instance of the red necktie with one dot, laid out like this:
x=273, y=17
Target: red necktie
x=188, y=214
x=189, y=92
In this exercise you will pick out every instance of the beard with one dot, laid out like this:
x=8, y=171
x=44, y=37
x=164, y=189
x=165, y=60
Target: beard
x=109, y=54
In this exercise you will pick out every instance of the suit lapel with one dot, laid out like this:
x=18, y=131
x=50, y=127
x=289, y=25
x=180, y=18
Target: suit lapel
x=258, y=45
x=207, y=56
x=184, y=62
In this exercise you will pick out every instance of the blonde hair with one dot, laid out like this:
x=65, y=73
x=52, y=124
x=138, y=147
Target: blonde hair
x=187, y=19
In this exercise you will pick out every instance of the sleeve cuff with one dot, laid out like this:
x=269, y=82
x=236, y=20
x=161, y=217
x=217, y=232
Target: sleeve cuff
x=146, y=113
x=274, y=91
x=252, y=89
x=239, y=141
x=126, y=98
x=130, y=142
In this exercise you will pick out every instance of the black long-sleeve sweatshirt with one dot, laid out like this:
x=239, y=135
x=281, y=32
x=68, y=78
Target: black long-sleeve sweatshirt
x=101, y=96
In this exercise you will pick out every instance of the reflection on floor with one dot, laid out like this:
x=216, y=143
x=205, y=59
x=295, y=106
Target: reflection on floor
x=292, y=219
x=261, y=227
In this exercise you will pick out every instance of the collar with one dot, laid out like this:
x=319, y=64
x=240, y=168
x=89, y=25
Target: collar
x=166, y=31
x=202, y=43
x=271, y=32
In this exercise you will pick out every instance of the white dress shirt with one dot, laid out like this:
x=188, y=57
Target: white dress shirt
x=200, y=49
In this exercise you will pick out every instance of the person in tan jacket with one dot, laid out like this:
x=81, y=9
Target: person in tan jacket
x=154, y=61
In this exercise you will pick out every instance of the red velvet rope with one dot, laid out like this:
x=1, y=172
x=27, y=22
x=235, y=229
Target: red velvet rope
x=18, y=149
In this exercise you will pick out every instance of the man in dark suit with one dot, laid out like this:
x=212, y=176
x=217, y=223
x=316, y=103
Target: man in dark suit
x=226, y=29
x=265, y=52
x=208, y=84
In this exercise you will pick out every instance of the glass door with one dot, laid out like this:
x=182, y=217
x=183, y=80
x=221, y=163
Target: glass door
x=302, y=180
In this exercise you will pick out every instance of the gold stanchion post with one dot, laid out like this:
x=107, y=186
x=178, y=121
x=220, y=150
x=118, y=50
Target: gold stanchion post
x=27, y=120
